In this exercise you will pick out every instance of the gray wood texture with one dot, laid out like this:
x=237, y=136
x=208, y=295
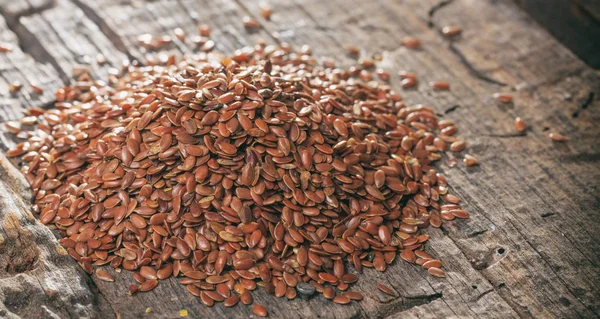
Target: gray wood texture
x=532, y=246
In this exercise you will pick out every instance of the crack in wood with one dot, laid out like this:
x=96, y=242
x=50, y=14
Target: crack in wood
x=478, y=74
x=476, y=233
x=103, y=26
x=401, y=304
x=451, y=109
x=434, y=9
x=585, y=104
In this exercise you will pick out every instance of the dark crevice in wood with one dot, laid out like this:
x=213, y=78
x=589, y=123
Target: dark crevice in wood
x=431, y=13
x=508, y=135
x=478, y=74
x=110, y=34
x=476, y=233
x=547, y=215
x=451, y=109
x=585, y=104
x=400, y=304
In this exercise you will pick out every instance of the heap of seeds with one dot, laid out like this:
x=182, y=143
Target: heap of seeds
x=263, y=169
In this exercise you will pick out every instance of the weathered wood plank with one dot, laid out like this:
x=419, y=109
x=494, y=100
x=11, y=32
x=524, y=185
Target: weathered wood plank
x=530, y=248
x=72, y=39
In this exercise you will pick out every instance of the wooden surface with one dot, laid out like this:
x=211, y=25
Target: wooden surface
x=575, y=23
x=532, y=246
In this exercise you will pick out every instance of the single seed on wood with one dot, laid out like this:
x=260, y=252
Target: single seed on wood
x=204, y=30
x=13, y=127
x=260, y=310
x=104, y=275
x=179, y=34
x=557, y=137
x=458, y=146
x=440, y=85
x=352, y=49
x=342, y=300
x=386, y=290
x=451, y=31
x=14, y=86
x=266, y=12
x=406, y=74
x=250, y=23
x=470, y=160
x=329, y=292
x=408, y=82
x=36, y=89
x=411, y=42
x=504, y=98
x=353, y=295
x=436, y=272
x=5, y=47
x=520, y=125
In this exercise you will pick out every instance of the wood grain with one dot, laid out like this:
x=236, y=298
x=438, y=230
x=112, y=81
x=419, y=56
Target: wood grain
x=531, y=247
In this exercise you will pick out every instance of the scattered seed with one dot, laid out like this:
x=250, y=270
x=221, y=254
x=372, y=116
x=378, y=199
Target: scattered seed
x=386, y=290
x=436, y=272
x=520, y=125
x=36, y=89
x=250, y=23
x=13, y=127
x=440, y=85
x=451, y=31
x=353, y=295
x=342, y=300
x=408, y=82
x=504, y=98
x=411, y=42
x=204, y=30
x=104, y=275
x=259, y=310
x=458, y=146
x=558, y=137
x=183, y=313
x=179, y=34
x=14, y=86
x=352, y=49
x=5, y=47
x=470, y=160
x=266, y=12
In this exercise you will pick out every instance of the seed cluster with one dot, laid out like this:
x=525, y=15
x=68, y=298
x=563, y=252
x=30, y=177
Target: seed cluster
x=263, y=169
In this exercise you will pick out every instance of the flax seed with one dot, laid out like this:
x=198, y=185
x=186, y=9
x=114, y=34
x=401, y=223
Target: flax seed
x=260, y=310
x=504, y=98
x=411, y=42
x=520, y=125
x=451, y=31
x=386, y=290
x=557, y=137
x=470, y=160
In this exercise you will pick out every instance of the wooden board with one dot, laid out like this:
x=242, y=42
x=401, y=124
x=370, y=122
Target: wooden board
x=531, y=247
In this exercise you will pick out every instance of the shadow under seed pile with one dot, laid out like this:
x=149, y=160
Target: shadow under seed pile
x=260, y=169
